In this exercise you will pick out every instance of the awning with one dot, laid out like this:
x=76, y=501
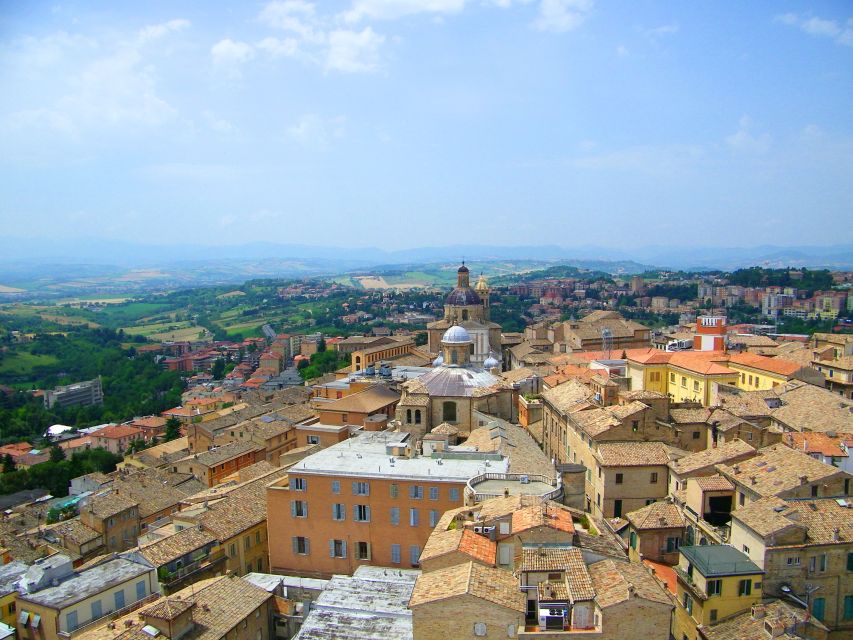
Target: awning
x=35, y=620
x=23, y=616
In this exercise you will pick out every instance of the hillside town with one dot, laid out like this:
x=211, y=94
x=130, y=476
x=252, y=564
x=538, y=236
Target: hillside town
x=589, y=476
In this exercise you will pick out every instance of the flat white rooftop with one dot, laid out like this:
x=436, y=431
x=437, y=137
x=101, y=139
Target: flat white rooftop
x=365, y=455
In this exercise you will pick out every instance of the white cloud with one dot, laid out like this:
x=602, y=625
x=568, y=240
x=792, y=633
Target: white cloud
x=48, y=50
x=562, y=15
x=744, y=141
x=278, y=48
x=155, y=31
x=354, y=51
x=656, y=33
x=220, y=125
x=819, y=27
x=394, y=9
x=230, y=52
x=315, y=131
x=296, y=16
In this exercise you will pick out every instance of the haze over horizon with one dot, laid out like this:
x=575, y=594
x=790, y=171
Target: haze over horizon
x=418, y=123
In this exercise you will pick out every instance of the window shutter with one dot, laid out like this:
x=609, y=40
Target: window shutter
x=343, y=548
x=355, y=488
x=293, y=508
x=295, y=545
x=331, y=548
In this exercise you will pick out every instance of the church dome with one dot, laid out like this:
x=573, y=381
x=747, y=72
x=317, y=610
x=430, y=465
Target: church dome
x=463, y=297
x=462, y=269
x=491, y=362
x=482, y=286
x=456, y=335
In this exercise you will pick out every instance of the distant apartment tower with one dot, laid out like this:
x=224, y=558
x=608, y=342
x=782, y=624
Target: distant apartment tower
x=710, y=333
x=84, y=393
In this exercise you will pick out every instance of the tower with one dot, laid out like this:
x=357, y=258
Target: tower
x=482, y=289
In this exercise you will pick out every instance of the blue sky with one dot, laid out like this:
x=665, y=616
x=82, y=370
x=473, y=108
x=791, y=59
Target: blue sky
x=402, y=123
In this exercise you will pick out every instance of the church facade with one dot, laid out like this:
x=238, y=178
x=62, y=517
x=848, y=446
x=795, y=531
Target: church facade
x=468, y=307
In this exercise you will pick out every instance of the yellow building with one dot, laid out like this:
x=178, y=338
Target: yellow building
x=9, y=575
x=686, y=376
x=714, y=582
x=757, y=373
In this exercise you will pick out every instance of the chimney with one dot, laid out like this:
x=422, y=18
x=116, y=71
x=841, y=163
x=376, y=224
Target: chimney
x=662, y=521
x=804, y=479
x=758, y=611
x=836, y=534
x=774, y=628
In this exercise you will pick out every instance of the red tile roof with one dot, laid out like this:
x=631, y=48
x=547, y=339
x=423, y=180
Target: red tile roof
x=117, y=431
x=478, y=547
x=763, y=363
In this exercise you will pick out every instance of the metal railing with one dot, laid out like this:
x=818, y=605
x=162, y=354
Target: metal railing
x=478, y=496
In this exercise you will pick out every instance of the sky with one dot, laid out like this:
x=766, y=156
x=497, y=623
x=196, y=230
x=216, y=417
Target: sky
x=405, y=123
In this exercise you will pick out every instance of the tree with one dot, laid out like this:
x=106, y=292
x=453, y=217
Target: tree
x=57, y=454
x=173, y=429
x=321, y=345
x=421, y=338
x=8, y=463
x=218, y=371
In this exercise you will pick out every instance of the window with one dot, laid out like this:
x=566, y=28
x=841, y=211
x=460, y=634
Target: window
x=746, y=549
x=300, y=484
x=417, y=416
x=696, y=435
x=395, y=553
x=247, y=542
x=257, y=537
x=414, y=555
x=687, y=601
x=119, y=599
x=232, y=550
x=361, y=513
x=336, y=486
x=416, y=492
x=393, y=489
x=817, y=563
x=634, y=540
x=433, y=517
x=448, y=410
x=299, y=508
x=301, y=545
x=362, y=551
x=635, y=425
x=672, y=544
x=337, y=548
x=713, y=615
x=793, y=561
x=741, y=498
x=744, y=587
x=619, y=478
x=617, y=508
x=433, y=493
x=395, y=515
x=672, y=377
x=715, y=587
x=409, y=416
x=71, y=620
x=339, y=511
x=453, y=494
x=653, y=478
x=414, y=517
x=313, y=439
x=814, y=491
x=695, y=385
x=683, y=381
x=650, y=501
x=848, y=607
x=140, y=589
x=361, y=488
x=850, y=560
x=97, y=610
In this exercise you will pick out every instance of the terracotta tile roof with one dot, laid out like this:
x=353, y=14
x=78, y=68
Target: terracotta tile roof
x=777, y=469
x=107, y=504
x=478, y=547
x=117, y=431
x=153, y=490
x=825, y=520
x=777, y=614
x=535, y=516
x=167, y=608
x=713, y=483
x=74, y=530
x=821, y=443
x=764, y=516
x=221, y=454
x=633, y=454
x=689, y=416
x=551, y=591
x=657, y=515
x=705, y=363
x=603, y=544
x=614, y=581
x=778, y=366
x=175, y=546
x=497, y=586
x=565, y=397
x=706, y=459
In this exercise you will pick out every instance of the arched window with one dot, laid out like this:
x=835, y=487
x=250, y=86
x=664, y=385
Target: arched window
x=448, y=411
x=409, y=416
x=417, y=416
x=454, y=359
x=464, y=315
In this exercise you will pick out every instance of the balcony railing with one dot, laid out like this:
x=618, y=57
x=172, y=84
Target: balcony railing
x=113, y=615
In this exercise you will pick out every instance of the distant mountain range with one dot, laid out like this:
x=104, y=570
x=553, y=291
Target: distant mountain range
x=136, y=255
x=50, y=264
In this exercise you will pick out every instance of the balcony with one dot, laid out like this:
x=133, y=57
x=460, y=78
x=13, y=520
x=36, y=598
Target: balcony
x=113, y=615
x=496, y=485
x=174, y=580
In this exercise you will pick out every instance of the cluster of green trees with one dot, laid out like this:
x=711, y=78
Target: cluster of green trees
x=133, y=384
x=56, y=474
x=324, y=361
x=678, y=291
x=810, y=280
